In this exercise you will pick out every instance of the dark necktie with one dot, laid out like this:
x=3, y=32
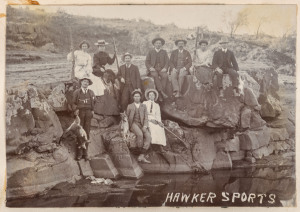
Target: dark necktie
x=151, y=107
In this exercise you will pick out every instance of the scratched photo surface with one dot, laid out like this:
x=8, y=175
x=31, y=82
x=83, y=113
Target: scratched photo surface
x=150, y=106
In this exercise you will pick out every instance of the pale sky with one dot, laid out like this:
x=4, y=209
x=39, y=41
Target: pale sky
x=279, y=17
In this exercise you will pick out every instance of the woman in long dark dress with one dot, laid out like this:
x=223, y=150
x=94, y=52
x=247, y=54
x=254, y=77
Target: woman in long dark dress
x=107, y=103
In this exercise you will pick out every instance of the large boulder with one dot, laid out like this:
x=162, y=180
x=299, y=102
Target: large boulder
x=121, y=156
x=254, y=139
x=201, y=105
x=28, y=178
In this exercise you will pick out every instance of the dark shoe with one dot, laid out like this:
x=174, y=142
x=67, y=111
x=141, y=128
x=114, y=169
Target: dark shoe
x=161, y=149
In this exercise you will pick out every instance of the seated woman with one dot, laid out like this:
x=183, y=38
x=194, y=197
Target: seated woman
x=155, y=125
x=83, y=67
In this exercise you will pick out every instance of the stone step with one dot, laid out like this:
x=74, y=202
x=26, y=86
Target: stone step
x=103, y=167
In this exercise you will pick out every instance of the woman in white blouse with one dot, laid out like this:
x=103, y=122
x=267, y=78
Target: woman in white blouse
x=83, y=67
x=155, y=125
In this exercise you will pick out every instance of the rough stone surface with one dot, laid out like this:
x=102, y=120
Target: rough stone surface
x=263, y=151
x=103, y=167
x=233, y=145
x=201, y=106
x=222, y=160
x=250, y=140
x=166, y=163
x=29, y=178
x=85, y=168
x=250, y=159
x=245, y=118
x=271, y=106
x=125, y=163
x=279, y=134
x=240, y=155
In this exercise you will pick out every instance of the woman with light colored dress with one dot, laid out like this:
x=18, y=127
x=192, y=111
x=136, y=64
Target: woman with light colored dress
x=83, y=67
x=154, y=116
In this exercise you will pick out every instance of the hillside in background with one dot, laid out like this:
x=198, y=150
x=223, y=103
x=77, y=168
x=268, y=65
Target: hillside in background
x=37, y=37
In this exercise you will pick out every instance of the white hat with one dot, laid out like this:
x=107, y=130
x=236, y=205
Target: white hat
x=101, y=43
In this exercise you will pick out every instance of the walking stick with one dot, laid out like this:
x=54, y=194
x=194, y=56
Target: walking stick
x=173, y=134
x=115, y=48
x=73, y=57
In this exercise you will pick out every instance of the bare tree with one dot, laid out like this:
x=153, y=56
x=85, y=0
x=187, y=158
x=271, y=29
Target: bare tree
x=261, y=21
x=233, y=23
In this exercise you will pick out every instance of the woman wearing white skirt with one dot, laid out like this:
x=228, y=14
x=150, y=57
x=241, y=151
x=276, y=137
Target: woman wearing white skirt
x=83, y=67
x=155, y=125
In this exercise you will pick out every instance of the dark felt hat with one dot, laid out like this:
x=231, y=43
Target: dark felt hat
x=203, y=41
x=156, y=39
x=86, y=77
x=184, y=41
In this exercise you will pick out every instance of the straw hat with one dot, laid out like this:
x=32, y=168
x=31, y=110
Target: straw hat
x=136, y=91
x=126, y=54
x=101, y=43
x=151, y=90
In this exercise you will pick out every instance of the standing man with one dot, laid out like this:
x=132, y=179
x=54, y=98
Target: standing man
x=130, y=79
x=83, y=105
x=138, y=124
x=224, y=62
x=157, y=63
x=101, y=58
x=180, y=63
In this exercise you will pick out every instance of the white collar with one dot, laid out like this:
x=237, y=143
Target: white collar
x=137, y=105
x=157, y=50
x=180, y=50
x=128, y=65
x=224, y=50
x=83, y=89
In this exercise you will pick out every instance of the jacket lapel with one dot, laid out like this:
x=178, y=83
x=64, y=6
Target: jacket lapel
x=141, y=109
x=176, y=56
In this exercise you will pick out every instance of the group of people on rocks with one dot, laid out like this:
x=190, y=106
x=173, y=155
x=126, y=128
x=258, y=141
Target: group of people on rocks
x=144, y=118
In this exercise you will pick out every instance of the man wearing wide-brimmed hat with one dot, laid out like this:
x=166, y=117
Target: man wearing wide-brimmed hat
x=180, y=63
x=83, y=105
x=157, y=63
x=130, y=79
x=138, y=124
x=101, y=58
x=224, y=62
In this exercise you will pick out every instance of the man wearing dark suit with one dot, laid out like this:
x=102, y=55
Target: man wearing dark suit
x=224, y=62
x=130, y=79
x=180, y=63
x=83, y=106
x=157, y=63
x=138, y=124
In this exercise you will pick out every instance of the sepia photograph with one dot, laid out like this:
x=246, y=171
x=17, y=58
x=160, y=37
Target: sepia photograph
x=150, y=105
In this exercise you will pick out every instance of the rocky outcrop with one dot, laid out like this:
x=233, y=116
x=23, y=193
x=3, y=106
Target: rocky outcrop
x=214, y=133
